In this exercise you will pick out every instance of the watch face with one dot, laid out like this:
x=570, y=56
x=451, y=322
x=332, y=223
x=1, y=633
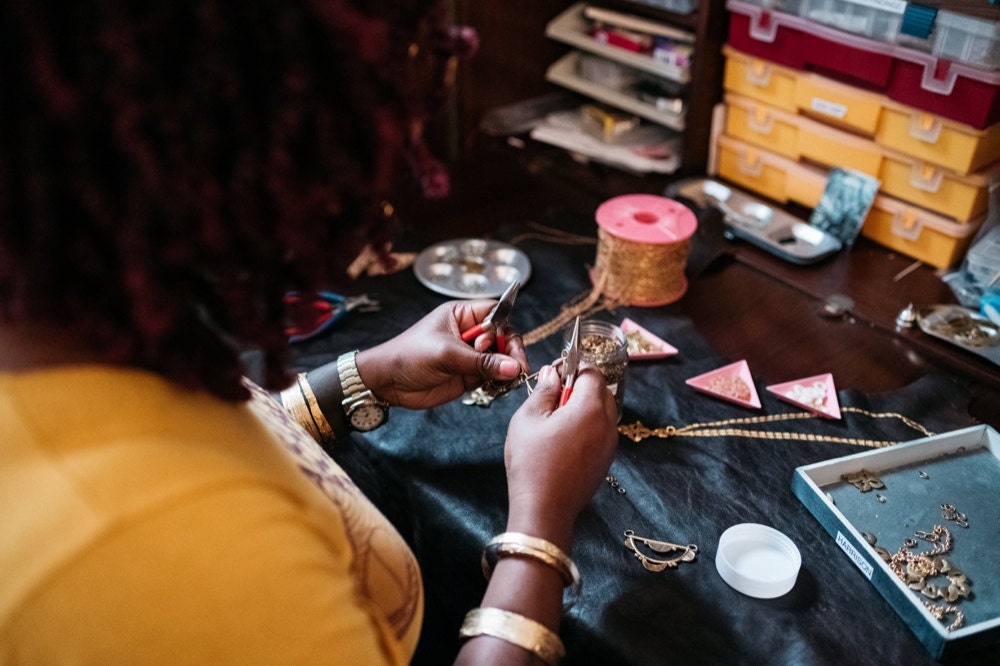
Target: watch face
x=367, y=416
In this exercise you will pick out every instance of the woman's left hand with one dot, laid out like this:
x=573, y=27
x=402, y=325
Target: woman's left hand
x=429, y=365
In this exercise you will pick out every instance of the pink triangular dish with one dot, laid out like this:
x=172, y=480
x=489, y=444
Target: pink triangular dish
x=817, y=394
x=642, y=338
x=732, y=382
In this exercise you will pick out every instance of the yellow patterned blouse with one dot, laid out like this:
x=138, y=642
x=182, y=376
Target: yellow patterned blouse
x=142, y=523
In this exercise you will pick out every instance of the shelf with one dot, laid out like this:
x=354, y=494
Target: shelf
x=563, y=72
x=572, y=28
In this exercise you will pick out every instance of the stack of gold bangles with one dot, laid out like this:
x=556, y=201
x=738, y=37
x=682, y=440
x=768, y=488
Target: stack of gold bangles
x=300, y=402
x=511, y=627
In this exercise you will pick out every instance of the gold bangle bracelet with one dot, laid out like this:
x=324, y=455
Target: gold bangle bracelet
x=523, y=545
x=324, y=427
x=295, y=404
x=516, y=629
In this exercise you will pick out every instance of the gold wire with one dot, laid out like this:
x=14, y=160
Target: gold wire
x=625, y=273
x=638, y=432
x=641, y=273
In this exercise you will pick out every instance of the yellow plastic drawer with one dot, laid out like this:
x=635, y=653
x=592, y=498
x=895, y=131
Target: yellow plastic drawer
x=838, y=103
x=799, y=137
x=918, y=233
x=766, y=173
x=830, y=101
x=794, y=136
x=759, y=79
x=908, y=229
x=940, y=190
x=961, y=148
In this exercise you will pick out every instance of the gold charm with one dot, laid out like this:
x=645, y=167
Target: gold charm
x=863, y=480
x=686, y=553
x=478, y=397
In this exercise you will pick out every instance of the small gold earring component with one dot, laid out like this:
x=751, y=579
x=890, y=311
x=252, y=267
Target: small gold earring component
x=685, y=553
x=863, y=480
x=949, y=512
x=478, y=397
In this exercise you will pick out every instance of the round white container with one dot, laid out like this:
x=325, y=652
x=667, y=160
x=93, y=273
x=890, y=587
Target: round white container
x=758, y=560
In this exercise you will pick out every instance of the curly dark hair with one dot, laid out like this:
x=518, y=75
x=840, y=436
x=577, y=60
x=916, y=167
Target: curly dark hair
x=169, y=170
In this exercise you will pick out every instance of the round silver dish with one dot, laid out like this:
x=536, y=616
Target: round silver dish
x=471, y=267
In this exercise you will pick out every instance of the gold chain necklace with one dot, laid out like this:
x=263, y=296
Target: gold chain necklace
x=638, y=432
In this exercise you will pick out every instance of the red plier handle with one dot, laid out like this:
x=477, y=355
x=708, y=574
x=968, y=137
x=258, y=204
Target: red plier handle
x=479, y=329
x=567, y=391
x=496, y=320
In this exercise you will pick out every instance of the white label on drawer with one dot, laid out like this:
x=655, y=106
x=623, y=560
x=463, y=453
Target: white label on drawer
x=828, y=108
x=895, y=6
x=855, y=556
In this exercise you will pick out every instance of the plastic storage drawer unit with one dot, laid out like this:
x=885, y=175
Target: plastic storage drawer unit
x=910, y=230
x=926, y=136
x=945, y=34
x=911, y=179
x=954, y=90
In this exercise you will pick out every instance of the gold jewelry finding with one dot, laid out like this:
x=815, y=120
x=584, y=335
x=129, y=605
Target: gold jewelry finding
x=478, y=397
x=686, y=553
x=513, y=628
x=638, y=432
x=863, y=480
x=941, y=612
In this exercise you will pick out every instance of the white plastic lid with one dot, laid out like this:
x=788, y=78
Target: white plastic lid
x=758, y=560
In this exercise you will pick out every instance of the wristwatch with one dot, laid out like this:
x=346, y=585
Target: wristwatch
x=364, y=411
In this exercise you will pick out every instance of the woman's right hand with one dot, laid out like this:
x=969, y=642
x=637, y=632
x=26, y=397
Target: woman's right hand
x=557, y=458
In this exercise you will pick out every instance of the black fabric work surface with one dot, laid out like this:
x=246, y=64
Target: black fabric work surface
x=439, y=476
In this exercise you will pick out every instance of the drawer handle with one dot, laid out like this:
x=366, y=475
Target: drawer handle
x=760, y=120
x=750, y=163
x=939, y=77
x=925, y=127
x=759, y=74
x=926, y=177
x=907, y=225
x=763, y=27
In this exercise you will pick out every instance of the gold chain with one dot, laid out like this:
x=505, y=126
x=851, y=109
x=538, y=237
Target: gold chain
x=638, y=432
x=550, y=235
x=584, y=305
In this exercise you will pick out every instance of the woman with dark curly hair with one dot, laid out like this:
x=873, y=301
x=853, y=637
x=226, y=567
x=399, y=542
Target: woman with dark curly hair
x=168, y=172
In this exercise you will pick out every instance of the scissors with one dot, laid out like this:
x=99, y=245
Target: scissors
x=571, y=364
x=496, y=320
x=322, y=310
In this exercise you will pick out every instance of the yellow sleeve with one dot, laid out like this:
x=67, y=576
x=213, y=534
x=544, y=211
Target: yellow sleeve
x=231, y=575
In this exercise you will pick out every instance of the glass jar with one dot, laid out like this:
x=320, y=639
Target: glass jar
x=604, y=346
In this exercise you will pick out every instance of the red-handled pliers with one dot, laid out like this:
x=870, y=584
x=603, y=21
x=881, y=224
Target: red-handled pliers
x=571, y=364
x=496, y=320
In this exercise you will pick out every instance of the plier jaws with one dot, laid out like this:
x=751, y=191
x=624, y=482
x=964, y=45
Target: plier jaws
x=496, y=320
x=571, y=364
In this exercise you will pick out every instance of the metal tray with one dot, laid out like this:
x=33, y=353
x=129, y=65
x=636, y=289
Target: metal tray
x=963, y=328
x=471, y=267
x=751, y=219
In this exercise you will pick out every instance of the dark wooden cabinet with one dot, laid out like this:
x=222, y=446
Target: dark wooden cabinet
x=515, y=54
